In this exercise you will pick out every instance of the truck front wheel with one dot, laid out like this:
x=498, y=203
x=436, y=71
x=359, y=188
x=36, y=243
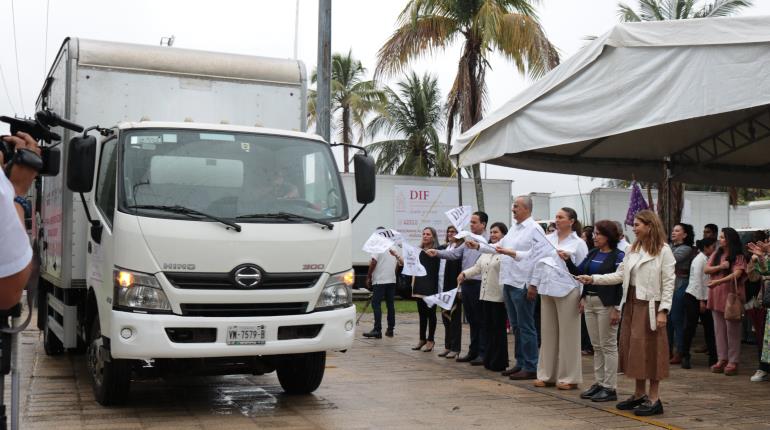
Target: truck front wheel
x=301, y=373
x=111, y=378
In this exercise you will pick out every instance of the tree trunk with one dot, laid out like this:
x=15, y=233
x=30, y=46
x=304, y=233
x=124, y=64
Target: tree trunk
x=670, y=207
x=346, y=138
x=471, y=114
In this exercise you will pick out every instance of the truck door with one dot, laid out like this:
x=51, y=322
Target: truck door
x=100, y=250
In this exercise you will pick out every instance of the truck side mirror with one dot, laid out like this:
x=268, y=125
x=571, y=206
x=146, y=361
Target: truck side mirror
x=81, y=159
x=365, y=178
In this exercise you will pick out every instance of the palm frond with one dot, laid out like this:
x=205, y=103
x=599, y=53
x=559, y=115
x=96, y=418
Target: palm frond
x=723, y=8
x=627, y=14
x=423, y=35
x=523, y=41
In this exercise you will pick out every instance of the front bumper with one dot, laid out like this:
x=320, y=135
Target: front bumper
x=149, y=339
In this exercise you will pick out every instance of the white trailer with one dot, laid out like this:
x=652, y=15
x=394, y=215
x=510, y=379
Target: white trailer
x=409, y=203
x=197, y=241
x=701, y=207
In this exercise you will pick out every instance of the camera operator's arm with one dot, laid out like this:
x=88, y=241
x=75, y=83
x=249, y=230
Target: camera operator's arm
x=16, y=253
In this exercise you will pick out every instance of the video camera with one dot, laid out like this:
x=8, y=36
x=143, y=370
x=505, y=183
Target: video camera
x=47, y=163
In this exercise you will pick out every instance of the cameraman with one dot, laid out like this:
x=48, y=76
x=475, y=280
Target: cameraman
x=15, y=252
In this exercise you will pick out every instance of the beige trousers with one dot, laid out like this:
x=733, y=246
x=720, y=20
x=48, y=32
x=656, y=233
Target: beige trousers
x=560, y=359
x=604, y=338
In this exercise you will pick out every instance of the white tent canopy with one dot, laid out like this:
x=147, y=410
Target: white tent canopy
x=695, y=92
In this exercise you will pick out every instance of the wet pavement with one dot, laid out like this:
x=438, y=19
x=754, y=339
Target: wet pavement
x=378, y=384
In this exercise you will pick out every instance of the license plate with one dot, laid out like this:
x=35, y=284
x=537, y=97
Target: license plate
x=246, y=335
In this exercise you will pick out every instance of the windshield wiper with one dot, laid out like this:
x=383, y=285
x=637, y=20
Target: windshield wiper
x=287, y=216
x=187, y=211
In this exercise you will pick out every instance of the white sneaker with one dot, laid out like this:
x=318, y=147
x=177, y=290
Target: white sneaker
x=760, y=376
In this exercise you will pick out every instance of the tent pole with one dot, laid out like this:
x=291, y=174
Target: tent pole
x=459, y=182
x=669, y=206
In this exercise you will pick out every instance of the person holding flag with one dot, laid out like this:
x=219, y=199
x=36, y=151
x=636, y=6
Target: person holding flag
x=424, y=284
x=491, y=297
x=647, y=274
x=515, y=271
x=470, y=288
x=560, y=362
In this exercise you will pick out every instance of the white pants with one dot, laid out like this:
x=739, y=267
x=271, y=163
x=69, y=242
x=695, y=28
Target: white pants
x=560, y=359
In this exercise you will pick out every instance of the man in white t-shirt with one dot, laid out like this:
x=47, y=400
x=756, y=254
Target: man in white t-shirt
x=381, y=279
x=622, y=243
x=15, y=252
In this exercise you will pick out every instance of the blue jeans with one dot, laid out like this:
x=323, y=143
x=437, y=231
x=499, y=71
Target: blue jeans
x=521, y=313
x=677, y=317
x=388, y=292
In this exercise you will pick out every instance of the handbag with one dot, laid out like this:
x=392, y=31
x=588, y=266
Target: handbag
x=734, y=305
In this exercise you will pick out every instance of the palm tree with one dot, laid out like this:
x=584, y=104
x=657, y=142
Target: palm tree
x=352, y=99
x=661, y=10
x=412, y=122
x=510, y=27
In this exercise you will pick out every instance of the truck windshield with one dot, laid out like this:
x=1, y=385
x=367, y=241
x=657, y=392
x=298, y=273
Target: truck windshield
x=248, y=177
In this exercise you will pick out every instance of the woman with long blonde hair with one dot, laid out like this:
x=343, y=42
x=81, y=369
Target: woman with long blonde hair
x=647, y=274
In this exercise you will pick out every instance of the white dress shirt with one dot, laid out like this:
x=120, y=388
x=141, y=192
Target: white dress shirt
x=517, y=271
x=698, y=285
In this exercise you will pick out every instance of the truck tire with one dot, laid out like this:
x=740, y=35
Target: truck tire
x=51, y=344
x=301, y=373
x=111, y=379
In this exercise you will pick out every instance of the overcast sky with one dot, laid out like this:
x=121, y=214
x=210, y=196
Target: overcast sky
x=262, y=27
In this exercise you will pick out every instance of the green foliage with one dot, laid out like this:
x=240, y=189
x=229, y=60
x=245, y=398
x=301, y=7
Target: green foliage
x=352, y=98
x=661, y=10
x=412, y=120
x=509, y=27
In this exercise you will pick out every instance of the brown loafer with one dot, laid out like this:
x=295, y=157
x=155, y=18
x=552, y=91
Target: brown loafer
x=565, y=386
x=541, y=384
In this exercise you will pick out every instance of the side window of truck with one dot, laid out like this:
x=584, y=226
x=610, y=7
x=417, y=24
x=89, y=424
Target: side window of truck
x=105, y=185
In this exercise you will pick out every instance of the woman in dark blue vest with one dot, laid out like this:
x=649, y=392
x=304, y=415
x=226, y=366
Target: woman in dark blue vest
x=602, y=310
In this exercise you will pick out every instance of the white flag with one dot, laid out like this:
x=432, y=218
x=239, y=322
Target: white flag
x=462, y=234
x=377, y=244
x=460, y=217
x=412, y=266
x=444, y=300
x=391, y=234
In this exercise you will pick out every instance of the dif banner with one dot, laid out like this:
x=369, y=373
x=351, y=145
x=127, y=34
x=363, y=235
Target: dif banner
x=416, y=207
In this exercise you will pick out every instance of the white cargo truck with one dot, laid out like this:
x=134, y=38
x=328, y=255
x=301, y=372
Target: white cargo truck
x=187, y=238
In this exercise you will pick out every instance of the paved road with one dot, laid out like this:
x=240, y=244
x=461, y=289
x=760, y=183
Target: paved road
x=378, y=384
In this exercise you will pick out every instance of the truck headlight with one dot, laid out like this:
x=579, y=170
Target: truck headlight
x=139, y=291
x=337, y=293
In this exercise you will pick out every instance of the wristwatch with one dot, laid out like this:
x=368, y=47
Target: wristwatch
x=24, y=203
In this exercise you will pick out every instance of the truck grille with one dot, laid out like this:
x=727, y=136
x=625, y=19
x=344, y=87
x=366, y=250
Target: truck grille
x=243, y=309
x=223, y=281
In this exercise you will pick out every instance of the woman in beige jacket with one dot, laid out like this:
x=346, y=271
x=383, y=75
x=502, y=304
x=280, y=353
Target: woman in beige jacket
x=647, y=274
x=491, y=296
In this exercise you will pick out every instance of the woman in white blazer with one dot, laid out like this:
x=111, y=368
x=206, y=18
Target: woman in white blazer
x=491, y=296
x=647, y=274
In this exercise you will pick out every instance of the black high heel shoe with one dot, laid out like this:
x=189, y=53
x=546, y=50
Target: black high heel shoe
x=419, y=345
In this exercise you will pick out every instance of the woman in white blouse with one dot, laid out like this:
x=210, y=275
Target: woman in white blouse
x=560, y=361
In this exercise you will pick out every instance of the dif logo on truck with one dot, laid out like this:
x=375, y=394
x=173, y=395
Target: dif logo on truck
x=419, y=195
